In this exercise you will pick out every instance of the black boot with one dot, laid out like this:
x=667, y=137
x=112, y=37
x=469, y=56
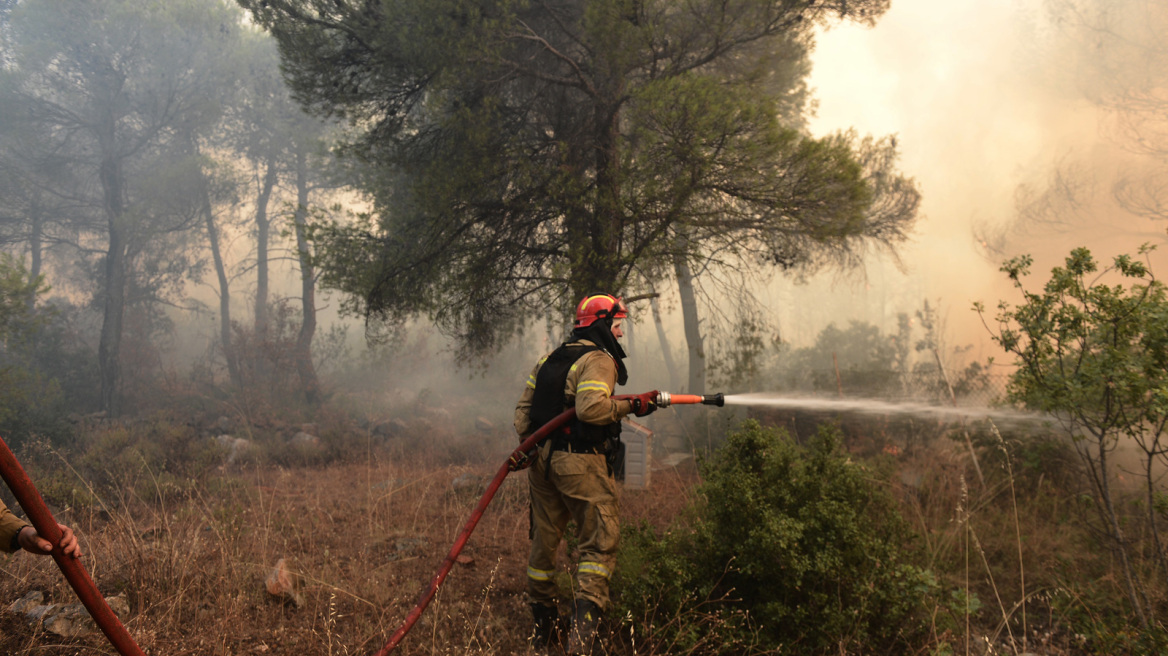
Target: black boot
x=585, y=621
x=546, y=630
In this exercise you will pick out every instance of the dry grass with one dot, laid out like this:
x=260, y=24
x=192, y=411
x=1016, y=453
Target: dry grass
x=365, y=534
x=1017, y=543
x=362, y=538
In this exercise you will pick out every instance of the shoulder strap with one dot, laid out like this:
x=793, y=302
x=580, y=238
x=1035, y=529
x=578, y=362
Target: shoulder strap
x=548, y=400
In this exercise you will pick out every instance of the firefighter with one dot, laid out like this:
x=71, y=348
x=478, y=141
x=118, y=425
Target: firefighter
x=571, y=476
x=17, y=534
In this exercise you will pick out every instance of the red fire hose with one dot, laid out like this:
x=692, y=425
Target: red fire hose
x=664, y=399
x=75, y=573
x=34, y=506
x=475, y=516
x=38, y=513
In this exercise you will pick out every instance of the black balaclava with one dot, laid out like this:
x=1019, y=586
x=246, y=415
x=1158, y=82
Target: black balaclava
x=600, y=333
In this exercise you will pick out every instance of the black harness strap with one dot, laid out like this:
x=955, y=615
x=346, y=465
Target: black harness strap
x=549, y=401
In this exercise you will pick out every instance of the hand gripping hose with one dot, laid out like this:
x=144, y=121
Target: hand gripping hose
x=664, y=400
x=34, y=506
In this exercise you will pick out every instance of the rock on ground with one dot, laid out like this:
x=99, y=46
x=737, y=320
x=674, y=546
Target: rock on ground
x=66, y=620
x=283, y=584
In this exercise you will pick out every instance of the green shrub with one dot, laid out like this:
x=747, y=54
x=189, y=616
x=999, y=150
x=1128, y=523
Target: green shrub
x=153, y=461
x=34, y=391
x=789, y=548
x=1091, y=612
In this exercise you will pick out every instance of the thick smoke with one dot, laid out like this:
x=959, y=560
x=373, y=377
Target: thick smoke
x=1031, y=126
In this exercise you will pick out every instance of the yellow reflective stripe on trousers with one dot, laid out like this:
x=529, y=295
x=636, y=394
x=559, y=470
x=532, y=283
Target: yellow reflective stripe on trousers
x=540, y=574
x=589, y=567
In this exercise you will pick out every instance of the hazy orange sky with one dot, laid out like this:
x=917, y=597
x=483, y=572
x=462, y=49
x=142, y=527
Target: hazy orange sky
x=983, y=99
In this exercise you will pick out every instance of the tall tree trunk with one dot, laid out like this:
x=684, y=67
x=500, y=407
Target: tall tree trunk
x=630, y=339
x=606, y=240
x=35, y=246
x=304, y=366
x=596, y=265
x=577, y=226
x=263, y=226
x=113, y=310
x=666, y=351
x=224, y=289
x=693, y=330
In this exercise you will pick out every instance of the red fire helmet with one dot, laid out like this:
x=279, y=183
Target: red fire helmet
x=599, y=306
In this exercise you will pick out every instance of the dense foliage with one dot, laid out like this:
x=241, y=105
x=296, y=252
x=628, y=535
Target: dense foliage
x=790, y=547
x=527, y=153
x=45, y=371
x=864, y=359
x=1092, y=350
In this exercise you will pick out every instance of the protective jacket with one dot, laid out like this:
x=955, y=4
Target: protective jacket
x=548, y=401
x=570, y=478
x=10, y=526
x=588, y=386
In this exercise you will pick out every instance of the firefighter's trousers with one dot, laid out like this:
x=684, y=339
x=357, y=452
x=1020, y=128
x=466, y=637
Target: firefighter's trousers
x=577, y=487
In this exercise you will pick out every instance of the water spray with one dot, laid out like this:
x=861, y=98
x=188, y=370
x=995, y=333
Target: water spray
x=664, y=400
x=878, y=407
x=30, y=499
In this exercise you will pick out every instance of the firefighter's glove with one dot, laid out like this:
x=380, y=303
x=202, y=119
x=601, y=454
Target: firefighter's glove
x=519, y=460
x=644, y=404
